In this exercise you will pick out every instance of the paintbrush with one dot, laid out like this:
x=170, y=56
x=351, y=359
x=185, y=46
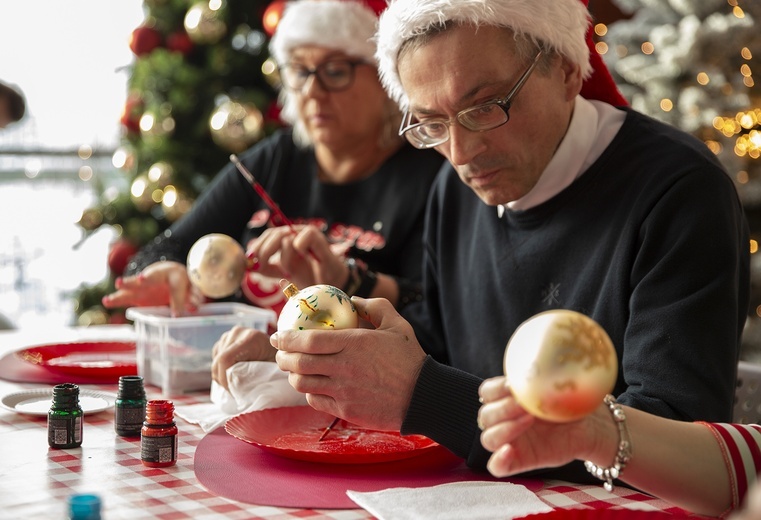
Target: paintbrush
x=327, y=430
x=261, y=191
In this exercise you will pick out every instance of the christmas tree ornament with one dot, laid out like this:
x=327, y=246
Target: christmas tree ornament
x=157, y=124
x=179, y=41
x=216, y=264
x=235, y=126
x=130, y=117
x=560, y=364
x=271, y=73
x=175, y=203
x=204, y=22
x=141, y=193
x=120, y=252
x=161, y=173
x=143, y=40
x=272, y=16
x=124, y=158
x=317, y=307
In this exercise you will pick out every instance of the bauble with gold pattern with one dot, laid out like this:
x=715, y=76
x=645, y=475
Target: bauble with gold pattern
x=318, y=306
x=560, y=364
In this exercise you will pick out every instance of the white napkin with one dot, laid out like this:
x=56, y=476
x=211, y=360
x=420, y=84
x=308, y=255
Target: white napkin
x=453, y=501
x=254, y=385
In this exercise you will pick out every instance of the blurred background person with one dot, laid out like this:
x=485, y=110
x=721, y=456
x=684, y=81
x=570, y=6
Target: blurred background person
x=12, y=105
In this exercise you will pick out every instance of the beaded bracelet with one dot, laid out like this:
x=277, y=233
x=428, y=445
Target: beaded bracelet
x=624, y=453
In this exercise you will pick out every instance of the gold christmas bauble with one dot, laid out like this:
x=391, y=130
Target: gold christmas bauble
x=142, y=192
x=560, y=364
x=216, y=264
x=317, y=307
x=236, y=126
x=204, y=22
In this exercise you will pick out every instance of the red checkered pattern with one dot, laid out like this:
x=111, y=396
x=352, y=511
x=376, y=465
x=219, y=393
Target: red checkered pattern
x=35, y=481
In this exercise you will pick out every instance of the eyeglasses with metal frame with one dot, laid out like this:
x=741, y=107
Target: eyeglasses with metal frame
x=479, y=118
x=333, y=75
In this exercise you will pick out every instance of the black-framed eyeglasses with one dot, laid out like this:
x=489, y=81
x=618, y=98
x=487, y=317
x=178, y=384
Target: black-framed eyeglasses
x=333, y=75
x=479, y=118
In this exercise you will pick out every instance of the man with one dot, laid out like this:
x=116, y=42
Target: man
x=12, y=105
x=551, y=201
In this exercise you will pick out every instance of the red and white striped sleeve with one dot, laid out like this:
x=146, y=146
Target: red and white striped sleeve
x=741, y=447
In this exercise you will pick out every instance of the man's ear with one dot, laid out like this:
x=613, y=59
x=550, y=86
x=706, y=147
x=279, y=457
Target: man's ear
x=572, y=78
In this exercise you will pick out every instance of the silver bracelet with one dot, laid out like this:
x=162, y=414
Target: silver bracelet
x=624, y=453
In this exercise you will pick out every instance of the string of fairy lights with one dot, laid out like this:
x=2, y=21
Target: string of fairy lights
x=744, y=126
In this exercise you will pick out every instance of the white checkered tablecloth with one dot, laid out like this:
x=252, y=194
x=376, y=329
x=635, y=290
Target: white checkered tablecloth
x=35, y=481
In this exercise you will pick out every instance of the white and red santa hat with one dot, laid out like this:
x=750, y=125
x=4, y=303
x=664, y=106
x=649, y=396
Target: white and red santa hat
x=344, y=25
x=564, y=25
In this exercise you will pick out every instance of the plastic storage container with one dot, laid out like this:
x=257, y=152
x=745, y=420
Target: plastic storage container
x=175, y=353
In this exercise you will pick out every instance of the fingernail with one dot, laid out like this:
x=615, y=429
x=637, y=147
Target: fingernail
x=273, y=340
x=118, y=283
x=106, y=299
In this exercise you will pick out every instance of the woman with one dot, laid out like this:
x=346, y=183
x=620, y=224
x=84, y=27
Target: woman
x=703, y=467
x=354, y=189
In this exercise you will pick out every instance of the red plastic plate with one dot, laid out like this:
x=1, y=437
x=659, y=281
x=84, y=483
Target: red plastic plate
x=603, y=514
x=95, y=359
x=293, y=432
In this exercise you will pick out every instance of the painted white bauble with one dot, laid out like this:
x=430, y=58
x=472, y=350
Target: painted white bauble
x=216, y=264
x=560, y=364
x=317, y=307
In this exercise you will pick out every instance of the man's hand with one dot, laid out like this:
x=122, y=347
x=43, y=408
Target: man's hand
x=365, y=376
x=160, y=283
x=239, y=344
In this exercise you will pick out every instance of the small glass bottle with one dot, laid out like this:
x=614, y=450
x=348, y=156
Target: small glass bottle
x=65, y=417
x=129, y=408
x=84, y=506
x=158, y=437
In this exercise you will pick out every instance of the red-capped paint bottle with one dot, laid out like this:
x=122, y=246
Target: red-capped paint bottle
x=158, y=437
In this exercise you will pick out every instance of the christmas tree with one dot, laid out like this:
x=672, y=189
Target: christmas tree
x=691, y=63
x=201, y=86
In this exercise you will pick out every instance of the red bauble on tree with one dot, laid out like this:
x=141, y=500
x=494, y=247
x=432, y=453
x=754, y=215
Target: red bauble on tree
x=133, y=110
x=119, y=255
x=272, y=16
x=179, y=42
x=144, y=39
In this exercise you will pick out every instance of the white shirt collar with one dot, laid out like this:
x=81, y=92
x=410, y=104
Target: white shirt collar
x=593, y=126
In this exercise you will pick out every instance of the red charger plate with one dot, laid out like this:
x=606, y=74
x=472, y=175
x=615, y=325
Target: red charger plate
x=603, y=514
x=293, y=432
x=92, y=359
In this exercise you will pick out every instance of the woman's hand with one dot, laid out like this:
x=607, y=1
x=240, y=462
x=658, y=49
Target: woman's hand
x=239, y=344
x=521, y=442
x=304, y=257
x=160, y=283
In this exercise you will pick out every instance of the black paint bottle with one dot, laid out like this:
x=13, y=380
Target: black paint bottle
x=65, y=417
x=129, y=408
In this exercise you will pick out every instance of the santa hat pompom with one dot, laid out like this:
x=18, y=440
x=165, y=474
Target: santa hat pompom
x=563, y=25
x=344, y=25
